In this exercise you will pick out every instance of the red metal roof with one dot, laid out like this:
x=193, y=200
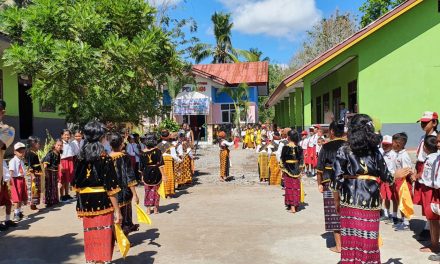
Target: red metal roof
x=231, y=74
x=358, y=36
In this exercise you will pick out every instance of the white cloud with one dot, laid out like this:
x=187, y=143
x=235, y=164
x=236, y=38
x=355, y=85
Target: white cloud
x=163, y=2
x=278, y=18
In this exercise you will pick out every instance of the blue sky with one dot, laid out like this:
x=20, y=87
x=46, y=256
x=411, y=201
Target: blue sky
x=276, y=27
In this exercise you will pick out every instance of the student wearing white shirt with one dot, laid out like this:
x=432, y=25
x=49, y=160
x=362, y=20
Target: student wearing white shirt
x=17, y=171
x=428, y=123
x=169, y=155
x=386, y=193
x=65, y=175
x=403, y=160
x=78, y=142
x=5, y=198
x=429, y=192
x=224, y=155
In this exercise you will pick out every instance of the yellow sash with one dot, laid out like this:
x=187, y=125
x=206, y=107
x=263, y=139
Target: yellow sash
x=99, y=189
x=406, y=205
x=121, y=239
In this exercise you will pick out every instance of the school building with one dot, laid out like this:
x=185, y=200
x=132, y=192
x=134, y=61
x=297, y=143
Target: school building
x=205, y=107
x=27, y=116
x=389, y=70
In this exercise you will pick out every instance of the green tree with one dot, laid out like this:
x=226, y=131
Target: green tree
x=222, y=52
x=323, y=36
x=373, y=9
x=99, y=59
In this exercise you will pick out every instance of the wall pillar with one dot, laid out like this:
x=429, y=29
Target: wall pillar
x=292, y=122
x=307, y=103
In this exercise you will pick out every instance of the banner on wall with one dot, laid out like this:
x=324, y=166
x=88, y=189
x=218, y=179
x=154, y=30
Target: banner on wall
x=191, y=106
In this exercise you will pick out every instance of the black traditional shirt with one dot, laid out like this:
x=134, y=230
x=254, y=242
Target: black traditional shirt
x=125, y=175
x=32, y=161
x=151, y=161
x=358, y=178
x=99, y=175
x=52, y=160
x=326, y=158
x=291, y=160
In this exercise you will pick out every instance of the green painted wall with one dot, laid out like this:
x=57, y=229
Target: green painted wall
x=292, y=108
x=298, y=107
x=339, y=78
x=400, y=67
x=307, y=97
x=10, y=95
x=10, y=91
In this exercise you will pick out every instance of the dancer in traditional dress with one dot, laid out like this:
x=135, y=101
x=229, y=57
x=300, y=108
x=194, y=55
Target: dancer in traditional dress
x=34, y=168
x=224, y=155
x=263, y=160
x=184, y=151
x=51, y=163
x=359, y=167
x=274, y=167
x=153, y=173
x=169, y=155
x=291, y=158
x=325, y=175
x=127, y=182
x=97, y=186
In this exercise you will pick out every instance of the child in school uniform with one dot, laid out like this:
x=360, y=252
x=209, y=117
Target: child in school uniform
x=65, y=174
x=386, y=192
x=428, y=123
x=402, y=161
x=17, y=170
x=5, y=198
x=429, y=193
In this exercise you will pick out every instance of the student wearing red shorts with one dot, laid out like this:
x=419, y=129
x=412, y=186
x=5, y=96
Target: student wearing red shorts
x=429, y=193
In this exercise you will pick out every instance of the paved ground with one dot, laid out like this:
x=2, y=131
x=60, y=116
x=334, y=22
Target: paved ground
x=241, y=221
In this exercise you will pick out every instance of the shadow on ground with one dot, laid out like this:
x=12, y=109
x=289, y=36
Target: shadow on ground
x=138, y=240
x=169, y=208
x=18, y=249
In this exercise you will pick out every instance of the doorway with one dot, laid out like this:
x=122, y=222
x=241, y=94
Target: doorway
x=196, y=123
x=337, y=99
x=25, y=107
x=352, y=97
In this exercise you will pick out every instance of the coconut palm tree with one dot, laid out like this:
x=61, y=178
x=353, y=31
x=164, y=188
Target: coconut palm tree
x=222, y=52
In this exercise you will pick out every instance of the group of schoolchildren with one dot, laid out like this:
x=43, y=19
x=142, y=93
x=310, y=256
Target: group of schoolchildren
x=423, y=184
x=26, y=179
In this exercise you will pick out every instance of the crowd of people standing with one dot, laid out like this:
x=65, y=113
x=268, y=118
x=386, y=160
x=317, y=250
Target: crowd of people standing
x=359, y=172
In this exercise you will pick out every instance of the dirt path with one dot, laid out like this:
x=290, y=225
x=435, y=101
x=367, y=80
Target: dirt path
x=241, y=221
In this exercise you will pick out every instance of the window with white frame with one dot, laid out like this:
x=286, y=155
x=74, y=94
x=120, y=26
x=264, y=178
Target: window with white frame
x=228, y=113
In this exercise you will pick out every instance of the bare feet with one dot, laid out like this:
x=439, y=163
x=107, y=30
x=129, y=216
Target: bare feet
x=156, y=210
x=335, y=249
x=430, y=249
x=293, y=209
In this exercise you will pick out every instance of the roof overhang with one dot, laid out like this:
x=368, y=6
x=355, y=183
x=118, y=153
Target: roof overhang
x=340, y=48
x=334, y=69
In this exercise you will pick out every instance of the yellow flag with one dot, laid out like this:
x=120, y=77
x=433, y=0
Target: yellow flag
x=121, y=239
x=302, y=192
x=406, y=205
x=142, y=216
x=161, y=190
